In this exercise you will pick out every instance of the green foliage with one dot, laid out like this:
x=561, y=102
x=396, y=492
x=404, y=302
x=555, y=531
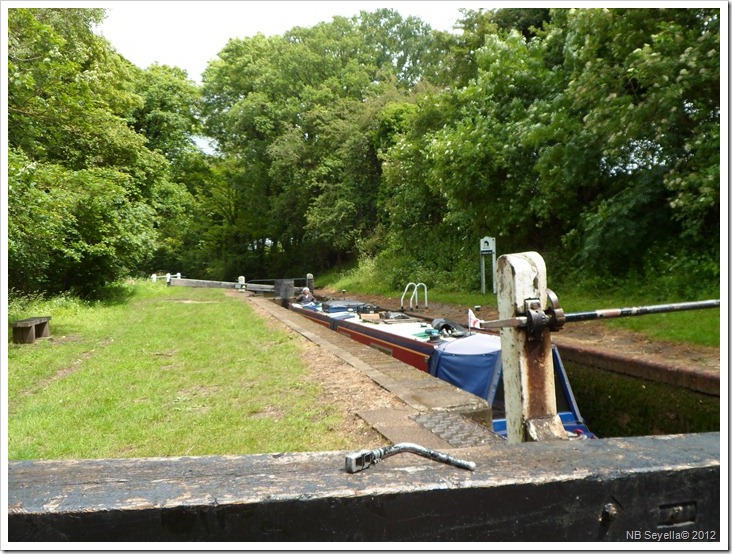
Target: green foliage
x=36, y=221
x=84, y=190
x=68, y=92
x=680, y=277
x=589, y=135
x=647, y=82
x=169, y=116
x=570, y=139
x=72, y=229
x=626, y=230
x=300, y=113
x=401, y=45
x=525, y=20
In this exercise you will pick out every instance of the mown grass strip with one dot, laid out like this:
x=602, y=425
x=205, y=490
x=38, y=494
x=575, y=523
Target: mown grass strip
x=173, y=371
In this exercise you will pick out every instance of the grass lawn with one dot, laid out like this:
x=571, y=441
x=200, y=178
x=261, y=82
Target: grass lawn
x=170, y=371
x=695, y=326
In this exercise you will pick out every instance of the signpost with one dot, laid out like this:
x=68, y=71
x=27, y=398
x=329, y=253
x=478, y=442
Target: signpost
x=487, y=247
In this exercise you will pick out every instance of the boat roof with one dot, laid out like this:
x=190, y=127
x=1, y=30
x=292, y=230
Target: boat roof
x=410, y=328
x=477, y=344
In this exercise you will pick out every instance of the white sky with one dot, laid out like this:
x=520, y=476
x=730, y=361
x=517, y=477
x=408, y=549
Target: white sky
x=189, y=34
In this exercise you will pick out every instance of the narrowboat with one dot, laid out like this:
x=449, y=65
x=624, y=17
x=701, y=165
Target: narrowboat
x=468, y=359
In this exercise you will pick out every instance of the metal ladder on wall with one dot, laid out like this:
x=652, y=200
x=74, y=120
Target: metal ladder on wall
x=414, y=299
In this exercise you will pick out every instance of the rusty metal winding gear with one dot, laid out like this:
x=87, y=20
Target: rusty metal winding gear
x=554, y=318
x=537, y=320
x=556, y=315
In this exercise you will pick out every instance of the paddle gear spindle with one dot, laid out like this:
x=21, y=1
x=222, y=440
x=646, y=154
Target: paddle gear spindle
x=554, y=318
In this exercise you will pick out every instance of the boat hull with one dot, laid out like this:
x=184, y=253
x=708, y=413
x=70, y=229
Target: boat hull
x=410, y=351
x=423, y=356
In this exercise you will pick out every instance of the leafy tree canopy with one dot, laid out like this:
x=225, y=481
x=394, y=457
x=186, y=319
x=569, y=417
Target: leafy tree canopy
x=80, y=175
x=591, y=135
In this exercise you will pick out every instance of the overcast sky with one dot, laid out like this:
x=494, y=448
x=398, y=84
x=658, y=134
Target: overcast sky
x=189, y=34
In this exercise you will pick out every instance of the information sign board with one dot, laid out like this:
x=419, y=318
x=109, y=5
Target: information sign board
x=487, y=245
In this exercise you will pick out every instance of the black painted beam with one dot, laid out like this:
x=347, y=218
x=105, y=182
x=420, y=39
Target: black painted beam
x=592, y=490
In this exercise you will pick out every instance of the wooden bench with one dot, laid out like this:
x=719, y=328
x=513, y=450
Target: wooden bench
x=27, y=330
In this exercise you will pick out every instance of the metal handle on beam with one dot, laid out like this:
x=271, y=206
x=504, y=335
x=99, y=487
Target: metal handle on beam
x=358, y=461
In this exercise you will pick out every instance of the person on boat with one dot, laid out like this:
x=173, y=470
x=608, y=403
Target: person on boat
x=305, y=297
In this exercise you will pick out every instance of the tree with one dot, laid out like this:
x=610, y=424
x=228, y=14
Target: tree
x=168, y=117
x=72, y=230
x=525, y=20
x=572, y=138
x=291, y=109
x=402, y=45
x=589, y=134
x=77, y=167
x=36, y=224
x=642, y=98
x=68, y=93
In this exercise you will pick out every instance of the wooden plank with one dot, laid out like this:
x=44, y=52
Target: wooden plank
x=254, y=287
x=528, y=370
x=201, y=283
x=24, y=335
x=31, y=321
x=587, y=490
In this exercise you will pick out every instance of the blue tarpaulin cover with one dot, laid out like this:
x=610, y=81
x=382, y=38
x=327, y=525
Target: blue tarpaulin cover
x=468, y=363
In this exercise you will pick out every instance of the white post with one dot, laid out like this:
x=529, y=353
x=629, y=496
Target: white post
x=154, y=277
x=528, y=371
x=494, y=267
x=482, y=273
x=167, y=278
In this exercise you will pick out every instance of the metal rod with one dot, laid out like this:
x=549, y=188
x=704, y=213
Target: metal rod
x=610, y=313
x=641, y=310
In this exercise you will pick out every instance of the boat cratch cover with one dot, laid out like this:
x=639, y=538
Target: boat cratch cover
x=469, y=363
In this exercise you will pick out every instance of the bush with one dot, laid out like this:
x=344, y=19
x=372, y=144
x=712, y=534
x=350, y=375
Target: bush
x=73, y=230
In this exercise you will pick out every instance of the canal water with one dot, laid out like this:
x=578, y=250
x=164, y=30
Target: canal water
x=615, y=405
